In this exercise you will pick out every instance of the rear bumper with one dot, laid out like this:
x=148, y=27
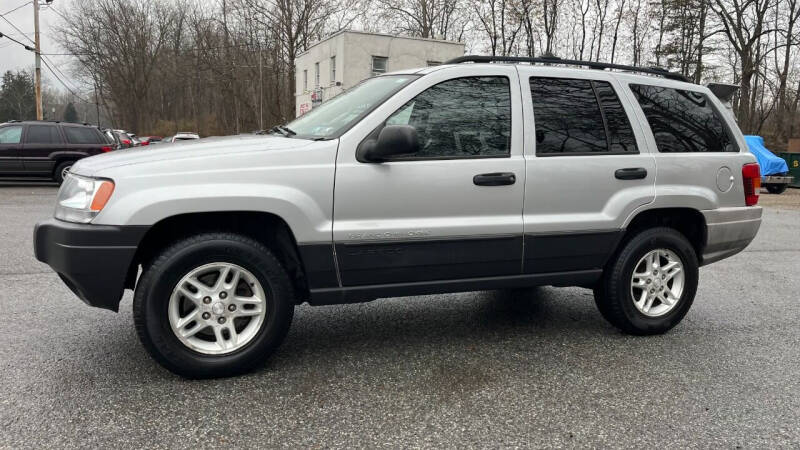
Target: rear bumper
x=92, y=260
x=729, y=231
x=777, y=179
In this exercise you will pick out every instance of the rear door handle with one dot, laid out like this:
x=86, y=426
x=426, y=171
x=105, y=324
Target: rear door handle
x=494, y=179
x=631, y=173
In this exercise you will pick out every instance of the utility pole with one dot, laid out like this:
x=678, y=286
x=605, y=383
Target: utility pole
x=260, y=92
x=38, y=80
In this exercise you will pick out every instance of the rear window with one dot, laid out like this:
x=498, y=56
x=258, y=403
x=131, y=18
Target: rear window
x=683, y=121
x=42, y=134
x=575, y=116
x=83, y=135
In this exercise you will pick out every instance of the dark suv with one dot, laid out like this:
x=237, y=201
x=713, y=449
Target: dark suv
x=40, y=150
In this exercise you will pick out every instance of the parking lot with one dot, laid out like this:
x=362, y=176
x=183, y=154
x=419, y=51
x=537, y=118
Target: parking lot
x=528, y=368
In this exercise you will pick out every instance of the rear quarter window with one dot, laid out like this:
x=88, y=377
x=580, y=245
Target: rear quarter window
x=83, y=135
x=683, y=121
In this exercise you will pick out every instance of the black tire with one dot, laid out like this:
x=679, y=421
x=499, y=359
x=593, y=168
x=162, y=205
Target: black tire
x=613, y=294
x=156, y=284
x=58, y=173
x=774, y=188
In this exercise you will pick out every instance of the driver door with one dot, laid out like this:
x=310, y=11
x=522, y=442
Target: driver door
x=10, y=145
x=452, y=211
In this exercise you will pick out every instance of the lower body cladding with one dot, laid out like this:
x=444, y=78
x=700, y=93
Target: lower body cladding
x=96, y=261
x=370, y=269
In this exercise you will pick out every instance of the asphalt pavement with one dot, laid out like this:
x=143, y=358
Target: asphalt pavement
x=532, y=368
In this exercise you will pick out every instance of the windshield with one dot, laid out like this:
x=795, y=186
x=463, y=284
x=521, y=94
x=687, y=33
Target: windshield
x=339, y=113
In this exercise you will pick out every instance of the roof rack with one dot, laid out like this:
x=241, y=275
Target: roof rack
x=569, y=62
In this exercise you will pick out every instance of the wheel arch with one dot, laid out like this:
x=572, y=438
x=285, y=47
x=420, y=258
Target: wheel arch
x=268, y=228
x=688, y=221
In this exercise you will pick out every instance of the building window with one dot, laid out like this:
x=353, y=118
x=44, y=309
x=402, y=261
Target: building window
x=434, y=63
x=379, y=65
x=316, y=75
x=305, y=80
x=333, y=70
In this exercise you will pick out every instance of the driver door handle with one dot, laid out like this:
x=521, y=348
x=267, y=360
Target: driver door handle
x=494, y=179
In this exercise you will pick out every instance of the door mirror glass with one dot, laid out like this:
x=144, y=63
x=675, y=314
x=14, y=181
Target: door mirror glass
x=393, y=141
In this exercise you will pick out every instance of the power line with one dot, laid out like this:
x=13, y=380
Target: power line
x=15, y=27
x=27, y=47
x=18, y=7
x=65, y=84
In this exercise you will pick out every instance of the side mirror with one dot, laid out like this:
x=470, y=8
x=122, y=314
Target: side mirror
x=393, y=140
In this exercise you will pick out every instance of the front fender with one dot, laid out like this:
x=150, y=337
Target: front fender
x=308, y=218
x=295, y=184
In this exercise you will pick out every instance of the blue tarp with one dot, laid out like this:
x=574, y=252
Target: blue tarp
x=770, y=164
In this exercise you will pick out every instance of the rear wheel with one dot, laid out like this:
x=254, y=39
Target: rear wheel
x=774, y=188
x=61, y=171
x=213, y=305
x=650, y=285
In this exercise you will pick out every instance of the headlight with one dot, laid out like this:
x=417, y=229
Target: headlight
x=81, y=198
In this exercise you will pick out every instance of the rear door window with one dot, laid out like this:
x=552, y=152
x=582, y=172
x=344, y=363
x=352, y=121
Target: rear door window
x=83, y=135
x=42, y=134
x=575, y=116
x=683, y=121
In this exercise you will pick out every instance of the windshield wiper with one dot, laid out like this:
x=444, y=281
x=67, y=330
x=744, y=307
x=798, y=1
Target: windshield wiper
x=282, y=129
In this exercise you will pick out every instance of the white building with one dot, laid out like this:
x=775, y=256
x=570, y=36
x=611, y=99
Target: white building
x=344, y=59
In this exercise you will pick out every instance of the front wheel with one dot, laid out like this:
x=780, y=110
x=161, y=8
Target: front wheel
x=650, y=285
x=213, y=305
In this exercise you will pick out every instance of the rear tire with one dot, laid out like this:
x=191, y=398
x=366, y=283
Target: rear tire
x=61, y=171
x=623, y=294
x=227, y=349
x=773, y=188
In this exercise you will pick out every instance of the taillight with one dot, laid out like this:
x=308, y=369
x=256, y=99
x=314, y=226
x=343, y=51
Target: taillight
x=751, y=178
x=126, y=141
x=145, y=142
x=106, y=149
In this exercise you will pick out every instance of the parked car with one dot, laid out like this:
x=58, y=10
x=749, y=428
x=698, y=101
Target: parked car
x=46, y=150
x=452, y=178
x=151, y=140
x=774, y=170
x=125, y=138
x=185, y=136
x=112, y=138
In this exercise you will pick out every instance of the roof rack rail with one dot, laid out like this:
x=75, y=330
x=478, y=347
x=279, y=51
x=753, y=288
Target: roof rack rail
x=569, y=62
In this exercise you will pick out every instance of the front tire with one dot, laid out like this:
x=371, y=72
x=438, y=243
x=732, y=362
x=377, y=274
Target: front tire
x=213, y=305
x=649, y=286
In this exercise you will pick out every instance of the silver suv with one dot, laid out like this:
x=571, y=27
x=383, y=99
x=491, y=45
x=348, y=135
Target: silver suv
x=479, y=174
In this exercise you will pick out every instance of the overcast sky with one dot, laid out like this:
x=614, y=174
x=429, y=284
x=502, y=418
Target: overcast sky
x=15, y=57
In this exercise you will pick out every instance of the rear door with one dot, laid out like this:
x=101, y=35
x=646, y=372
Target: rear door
x=432, y=216
x=588, y=168
x=10, y=144
x=41, y=141
x=83, y=140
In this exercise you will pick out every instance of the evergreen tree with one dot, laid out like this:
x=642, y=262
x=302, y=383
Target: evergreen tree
x=70, y=113
x=17, y=97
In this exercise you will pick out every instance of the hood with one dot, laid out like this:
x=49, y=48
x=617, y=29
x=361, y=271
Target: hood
x=199, y=148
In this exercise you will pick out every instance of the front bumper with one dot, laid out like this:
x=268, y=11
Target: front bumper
x=729, y=231
x=93, y=260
